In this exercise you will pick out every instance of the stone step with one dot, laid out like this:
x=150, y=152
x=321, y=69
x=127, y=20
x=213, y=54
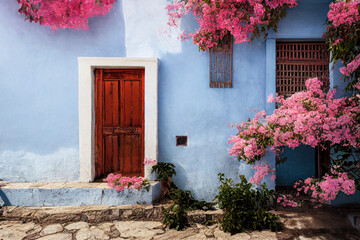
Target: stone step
x=74, y=194
x=99, y=213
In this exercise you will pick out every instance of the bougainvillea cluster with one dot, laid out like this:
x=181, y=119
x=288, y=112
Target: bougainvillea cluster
x=243, y=19
x=328, y=187
x=344, y=13
x=343, y=37
x=310, y=117
x=120, y=183
x=285, y=201
x=262, y=170
x=64, y=13
x=351, y=67
x=150, y=162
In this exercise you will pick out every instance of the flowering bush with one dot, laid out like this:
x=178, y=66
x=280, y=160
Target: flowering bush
x=328, y=187
x=64, y=13
x=120, y=183
x=310, y=117
x=343, y=35
x=243, y=19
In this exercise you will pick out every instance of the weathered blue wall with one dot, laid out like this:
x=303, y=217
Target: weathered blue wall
x=39, y=90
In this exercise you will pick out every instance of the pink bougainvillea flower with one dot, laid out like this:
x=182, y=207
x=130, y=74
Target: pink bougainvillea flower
x=120, y=183
x=148, y=161
x=270, y=98
x=310, y=117
x=262, y=170
x=218, y=18
x=351, y=67
x=64, y=13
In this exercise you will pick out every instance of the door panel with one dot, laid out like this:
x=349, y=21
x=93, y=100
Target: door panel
x=119, y=122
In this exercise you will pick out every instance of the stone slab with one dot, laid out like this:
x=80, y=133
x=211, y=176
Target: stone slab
x=74, y=194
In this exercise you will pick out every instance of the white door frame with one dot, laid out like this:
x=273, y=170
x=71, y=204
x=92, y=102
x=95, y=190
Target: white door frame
x=86, y=67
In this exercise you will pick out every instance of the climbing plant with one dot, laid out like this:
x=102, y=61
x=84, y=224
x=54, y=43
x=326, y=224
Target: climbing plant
x=343, y=38
x=245, y=20
x=312, y=117
x=63, y=13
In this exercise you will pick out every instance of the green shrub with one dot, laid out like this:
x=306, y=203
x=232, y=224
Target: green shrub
x=164, y=171
x=175, y=217
x=185, y=198
x=245, y=208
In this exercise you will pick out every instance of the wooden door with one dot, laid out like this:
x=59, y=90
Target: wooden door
x=119, y=122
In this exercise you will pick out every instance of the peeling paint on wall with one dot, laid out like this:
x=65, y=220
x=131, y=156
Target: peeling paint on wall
x=59, y=166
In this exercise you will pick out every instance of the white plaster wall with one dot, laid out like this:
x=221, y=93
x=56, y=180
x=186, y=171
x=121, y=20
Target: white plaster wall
x=144, y=38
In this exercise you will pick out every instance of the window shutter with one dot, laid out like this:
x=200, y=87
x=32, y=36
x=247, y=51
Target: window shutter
x=297, y=62
x=221, y=72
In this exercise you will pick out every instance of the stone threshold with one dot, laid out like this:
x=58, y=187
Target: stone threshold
x=17, y=185
x=43, y=194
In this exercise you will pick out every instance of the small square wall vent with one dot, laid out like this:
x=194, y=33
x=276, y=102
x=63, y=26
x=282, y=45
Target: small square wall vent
x=181, y=141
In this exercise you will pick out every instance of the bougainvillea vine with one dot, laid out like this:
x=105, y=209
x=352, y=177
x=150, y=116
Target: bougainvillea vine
x=243, y=19
x=64, y=13
x=310, y=117
x=343, y=38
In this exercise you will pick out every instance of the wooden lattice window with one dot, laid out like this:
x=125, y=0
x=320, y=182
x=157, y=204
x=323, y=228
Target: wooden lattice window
x=297, y=62
x=221, y=72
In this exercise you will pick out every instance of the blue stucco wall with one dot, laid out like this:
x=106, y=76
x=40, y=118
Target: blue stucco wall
x=39, y=90
x=300, y=164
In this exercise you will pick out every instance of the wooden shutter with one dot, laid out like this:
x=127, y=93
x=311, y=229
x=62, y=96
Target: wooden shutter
x=297, y=62
x=221, y=64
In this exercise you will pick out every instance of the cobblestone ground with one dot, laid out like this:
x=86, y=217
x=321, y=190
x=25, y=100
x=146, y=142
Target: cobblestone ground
x=294, y=229
x=67, y=223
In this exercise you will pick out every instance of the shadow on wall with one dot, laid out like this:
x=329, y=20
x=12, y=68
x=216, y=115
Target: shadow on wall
x=300, y=164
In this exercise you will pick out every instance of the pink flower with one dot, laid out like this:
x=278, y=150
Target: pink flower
x=262, y=170
x=284, y=201
x=351, y=67
x=148, y=161
x=217, y=18
x=64, y=13
x=309, y=117
x=270, y=98
x=120, y=183
x=338, y=41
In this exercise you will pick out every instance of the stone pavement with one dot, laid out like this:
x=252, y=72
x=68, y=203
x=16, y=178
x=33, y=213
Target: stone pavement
x=15, y=230
x=325, y=224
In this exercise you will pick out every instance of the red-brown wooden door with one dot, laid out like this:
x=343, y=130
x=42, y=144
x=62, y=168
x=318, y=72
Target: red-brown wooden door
x=119, y=122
